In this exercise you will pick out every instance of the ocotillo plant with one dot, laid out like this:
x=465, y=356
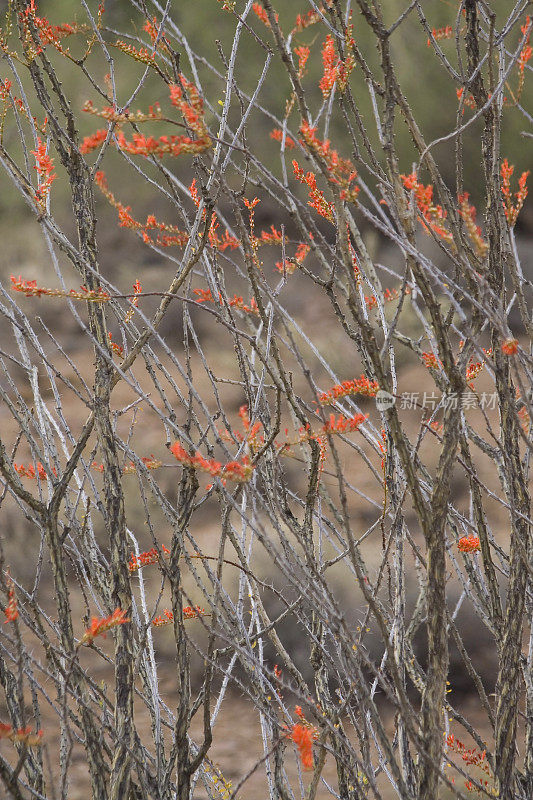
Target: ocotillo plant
x=265, y=399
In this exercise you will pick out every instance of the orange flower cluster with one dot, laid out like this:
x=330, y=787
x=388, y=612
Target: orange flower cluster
x=525, y=422
x=251, y=433
x=150, y=462
x=277, y=135
x=142, y=54
x=30, y=472
x=221, y=243
x=329, y=61
x=137, y=288
x=335, y=425
x=163, y=619
x=168, y=235
x=30, y=289
x=431, y=361
x=272, y=237
x=206, y=296
x=167, y=616
x=510, y=347
x=23, y=735
x=68, y=29
x=511, y=209
x=174, y=145
x=431, y=216
x=251, y=430
x=526, y=52
x=189, y=612
x=388, y=296
x=473, y=369
x=435, y=425
x=192, y=111
x=145, y=559
x=112, y=115
x=355, y=265
x=261, y=14
x=302, y=53
x=238, y=471
x=303, y=735
x=335, y=69
x=5, y=89
x=318, y=201
x=441, y=33
x=48, y=34
x=344, y=424
x=116, y=348
x=471, y=757
x=523, y=58
x=99, y=627
x=468, y=100
x=468, y=213
x=152, y=29
x=44, y=167
x=11, y=612
x=193, y=191
x=290, y=264
x=254, y=241
x=303, y=21
x=360, y=385
x=93, y=141
x=341, y=170
x=468, y=544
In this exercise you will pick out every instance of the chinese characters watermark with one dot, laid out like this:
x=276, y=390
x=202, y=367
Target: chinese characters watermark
x=487, y=401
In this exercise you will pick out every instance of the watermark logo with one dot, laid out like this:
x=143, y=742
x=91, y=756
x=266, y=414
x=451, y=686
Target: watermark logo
x=430, y=400
x=384, y=400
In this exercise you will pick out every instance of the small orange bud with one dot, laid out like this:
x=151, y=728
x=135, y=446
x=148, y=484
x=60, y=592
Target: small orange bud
x=510, y=347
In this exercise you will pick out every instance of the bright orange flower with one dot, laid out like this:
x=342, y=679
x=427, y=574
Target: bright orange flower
x=11, y=612
x=167, y=616
x=510, y=347
x=277, y=135
x=441, y=33
x=468, y=544
x=511, y=209
x=343, y=424
x=329, y=61
x=468, y=213
x=431, y=360
x=44, y=166
x=356, y=386
x=99, y=627
x=30, y=289
x=261, y=14
x=238, y=471
x=303, y=737
x=93, y=141
x=432, y=216
x=21, y=735
x=318, y=201
x=144, y=559
x=335, y=69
